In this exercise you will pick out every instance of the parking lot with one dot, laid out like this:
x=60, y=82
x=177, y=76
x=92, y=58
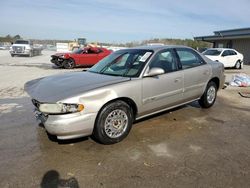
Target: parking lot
x=184, y=147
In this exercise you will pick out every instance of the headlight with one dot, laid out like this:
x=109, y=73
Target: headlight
x=60, y=108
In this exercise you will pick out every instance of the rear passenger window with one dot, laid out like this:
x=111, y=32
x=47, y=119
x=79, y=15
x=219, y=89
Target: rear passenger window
x=188, y=58
x=226, y=53
x=232, y=52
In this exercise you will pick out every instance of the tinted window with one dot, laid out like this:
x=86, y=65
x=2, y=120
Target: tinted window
x=226, y=53
x=188, y=58
x=232, y=52
x=99, y=50
x=92, y=51
x=164, y=60
x=78, y=51
x=22, y=42
x=212, y=52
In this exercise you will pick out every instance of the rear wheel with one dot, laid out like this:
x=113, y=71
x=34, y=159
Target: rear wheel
x=69, y=63
x=113, y=123
x=208, y=98
x=238, y=65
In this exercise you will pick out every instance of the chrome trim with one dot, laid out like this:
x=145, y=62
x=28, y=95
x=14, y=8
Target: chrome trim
x=164, y=109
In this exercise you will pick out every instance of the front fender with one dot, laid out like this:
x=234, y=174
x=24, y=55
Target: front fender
x=94, y=100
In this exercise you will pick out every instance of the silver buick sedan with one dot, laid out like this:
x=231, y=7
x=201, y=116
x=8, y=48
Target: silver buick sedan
x=127, y=85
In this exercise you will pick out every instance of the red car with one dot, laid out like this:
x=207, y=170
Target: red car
x=81, y=57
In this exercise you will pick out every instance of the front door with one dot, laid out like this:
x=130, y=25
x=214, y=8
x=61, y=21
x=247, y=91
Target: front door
x=164, y=90
x=225, y=58
x=89, y=58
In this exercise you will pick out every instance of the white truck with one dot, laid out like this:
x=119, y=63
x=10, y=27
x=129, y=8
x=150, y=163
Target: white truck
x=24, y=47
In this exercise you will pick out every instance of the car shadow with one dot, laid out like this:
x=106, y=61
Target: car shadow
x=233, y=70
x=53, y=138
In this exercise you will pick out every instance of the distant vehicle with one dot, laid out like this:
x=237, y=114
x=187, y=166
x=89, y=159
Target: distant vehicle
x=127, y=85
x=202, y=49
x=81, y=57
x=51, y=47
x=229, y=57
x=24, y=47
x=3, y=47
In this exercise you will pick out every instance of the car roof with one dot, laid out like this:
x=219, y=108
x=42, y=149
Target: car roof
x=221, y=49
x=158, y=47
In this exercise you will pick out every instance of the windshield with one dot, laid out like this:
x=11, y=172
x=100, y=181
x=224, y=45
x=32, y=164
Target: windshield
x=78, y=51
x=128, y=63
x=22, y=42
x=212, y=52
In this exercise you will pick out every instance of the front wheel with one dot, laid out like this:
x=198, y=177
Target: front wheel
x=113, y=123
x=209, y=96
x=30, y=54
x=69, y=64
x=58, y=64
x=238, y=65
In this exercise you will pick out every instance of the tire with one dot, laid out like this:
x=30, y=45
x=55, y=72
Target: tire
x=68, y=63
x=238, y=65
x=31, y=54
x=12, y=55
x=58, y=64
x=110, y=128
x=209, y=96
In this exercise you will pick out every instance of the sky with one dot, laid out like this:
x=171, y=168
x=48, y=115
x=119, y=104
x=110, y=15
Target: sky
x=120, y=21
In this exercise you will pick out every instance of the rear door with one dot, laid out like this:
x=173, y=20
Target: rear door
x=196, y=73
x=164, y=90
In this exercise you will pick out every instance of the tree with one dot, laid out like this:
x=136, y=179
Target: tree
x=17, y=37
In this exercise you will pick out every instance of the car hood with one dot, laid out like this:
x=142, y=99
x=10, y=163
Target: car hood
x=55, y=88
x=60, y=54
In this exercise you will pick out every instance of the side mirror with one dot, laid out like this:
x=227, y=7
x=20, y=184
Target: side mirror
x=154, y=72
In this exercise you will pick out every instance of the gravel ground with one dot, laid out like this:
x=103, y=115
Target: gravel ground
x=184, y=147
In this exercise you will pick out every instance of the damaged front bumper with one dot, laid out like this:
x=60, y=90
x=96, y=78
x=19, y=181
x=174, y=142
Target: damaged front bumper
x=67, y=126
x=58, y=61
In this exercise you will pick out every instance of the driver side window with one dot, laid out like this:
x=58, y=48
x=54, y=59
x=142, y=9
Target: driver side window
x=165, y=60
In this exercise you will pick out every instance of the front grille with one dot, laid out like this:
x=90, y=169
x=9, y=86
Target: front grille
x=36, y=103
x=18, y=49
